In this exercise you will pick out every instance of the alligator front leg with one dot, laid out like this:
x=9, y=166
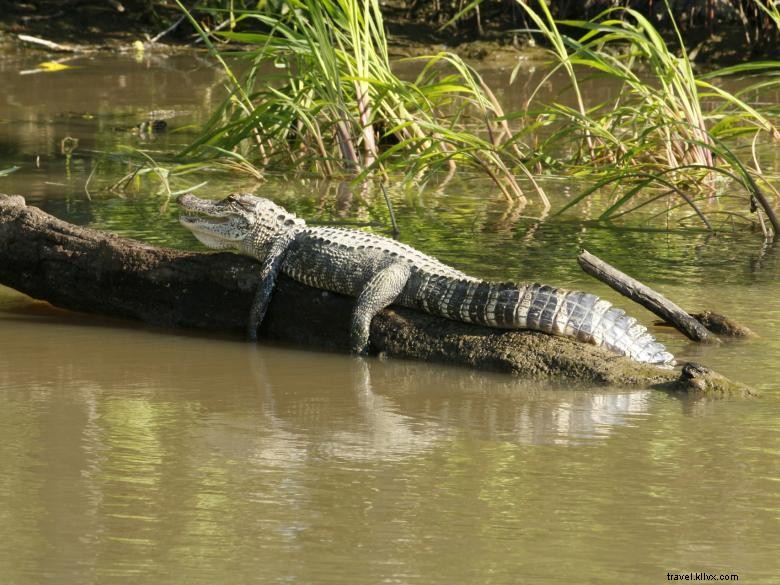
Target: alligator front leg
x=268, y=274
x=383, y=288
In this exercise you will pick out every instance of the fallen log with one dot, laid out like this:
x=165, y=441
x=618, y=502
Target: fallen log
x=645, y=296
x=697, y=326
x=87, y=270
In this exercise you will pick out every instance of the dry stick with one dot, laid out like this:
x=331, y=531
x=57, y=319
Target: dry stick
x=51, y=45
x=645, y=296
x=389, y=203
x=156, y=38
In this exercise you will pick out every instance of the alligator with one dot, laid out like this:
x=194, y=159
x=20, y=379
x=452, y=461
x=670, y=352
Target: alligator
x=379, y=272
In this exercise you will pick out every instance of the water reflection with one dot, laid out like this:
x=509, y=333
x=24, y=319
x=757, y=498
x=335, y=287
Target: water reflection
x=99, y=103
x=354, y=408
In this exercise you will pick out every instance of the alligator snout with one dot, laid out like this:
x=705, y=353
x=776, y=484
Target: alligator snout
x=186, y=199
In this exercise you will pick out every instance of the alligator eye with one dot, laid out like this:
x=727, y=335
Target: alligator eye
x=289, y=222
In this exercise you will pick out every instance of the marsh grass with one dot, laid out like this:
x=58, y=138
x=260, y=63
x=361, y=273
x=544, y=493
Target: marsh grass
x=667, y=128
x=319, y=95
x=313, y=90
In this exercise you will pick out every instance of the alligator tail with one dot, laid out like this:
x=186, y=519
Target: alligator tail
x=580, y=315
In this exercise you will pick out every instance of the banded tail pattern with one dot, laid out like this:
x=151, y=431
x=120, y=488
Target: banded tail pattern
x=580, y=315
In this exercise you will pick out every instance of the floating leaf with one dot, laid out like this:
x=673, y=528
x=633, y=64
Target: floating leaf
x=51, y=66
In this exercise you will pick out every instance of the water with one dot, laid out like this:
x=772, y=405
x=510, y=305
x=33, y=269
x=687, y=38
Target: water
x=138, y=455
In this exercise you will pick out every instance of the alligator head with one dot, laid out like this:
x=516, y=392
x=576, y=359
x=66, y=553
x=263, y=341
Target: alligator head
x=239, y=222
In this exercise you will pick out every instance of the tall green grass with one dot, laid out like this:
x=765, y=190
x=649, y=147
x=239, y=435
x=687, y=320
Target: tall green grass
x=313, y=90
x=668, y=126
x=319, y=95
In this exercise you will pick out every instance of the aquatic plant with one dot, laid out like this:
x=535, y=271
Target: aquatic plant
x=319, y=95
x=315, y=92
x=757, y=18
x=667, y=126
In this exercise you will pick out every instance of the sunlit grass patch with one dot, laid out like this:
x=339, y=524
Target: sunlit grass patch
x=312, y=92
x=667, y=128
x=320, y=96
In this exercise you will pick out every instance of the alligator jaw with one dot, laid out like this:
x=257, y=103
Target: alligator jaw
x=220, y=225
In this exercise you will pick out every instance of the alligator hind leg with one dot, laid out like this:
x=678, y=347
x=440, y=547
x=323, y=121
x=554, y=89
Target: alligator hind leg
x=383, y=288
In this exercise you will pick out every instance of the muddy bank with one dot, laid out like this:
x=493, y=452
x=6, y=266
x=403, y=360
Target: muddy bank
x=87, y=270
x=731, y=32
x=90, y=22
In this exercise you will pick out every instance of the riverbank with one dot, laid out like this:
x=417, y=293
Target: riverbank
x=413, y=27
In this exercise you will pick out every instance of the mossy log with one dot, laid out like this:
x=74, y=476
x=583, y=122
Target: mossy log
x=87, y=270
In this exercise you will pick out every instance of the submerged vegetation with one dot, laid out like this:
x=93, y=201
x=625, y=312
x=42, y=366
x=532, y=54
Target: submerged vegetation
x=320, y=96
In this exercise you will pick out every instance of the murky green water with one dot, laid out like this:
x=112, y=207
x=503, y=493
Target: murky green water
x=133, y=455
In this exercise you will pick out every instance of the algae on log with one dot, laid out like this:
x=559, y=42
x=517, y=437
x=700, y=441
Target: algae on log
x=87, y=270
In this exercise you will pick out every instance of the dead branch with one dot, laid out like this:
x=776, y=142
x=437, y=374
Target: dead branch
x=645, y=296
